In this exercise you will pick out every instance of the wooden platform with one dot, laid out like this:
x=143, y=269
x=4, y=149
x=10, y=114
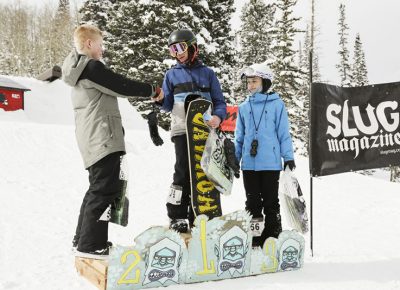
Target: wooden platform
x=96, y=270
x=93, y=270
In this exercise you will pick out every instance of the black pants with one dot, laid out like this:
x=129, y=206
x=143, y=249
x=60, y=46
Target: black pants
x=104, y=187
x=181, y=177
x=262, y=195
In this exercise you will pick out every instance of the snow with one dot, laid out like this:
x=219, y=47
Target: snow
x=188, y=10
x=356, y=228
x=169, y=62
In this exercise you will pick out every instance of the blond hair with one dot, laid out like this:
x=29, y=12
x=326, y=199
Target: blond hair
x=84, y=32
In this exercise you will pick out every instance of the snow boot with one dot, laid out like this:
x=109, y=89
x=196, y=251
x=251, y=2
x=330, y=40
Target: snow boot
x=101, y=254
x=179, y=225
x=256, y=227
x=273, y=225
x=75, y=244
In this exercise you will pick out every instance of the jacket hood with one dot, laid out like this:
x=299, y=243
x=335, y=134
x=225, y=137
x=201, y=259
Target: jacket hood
x=73, y=67
x=260, y=97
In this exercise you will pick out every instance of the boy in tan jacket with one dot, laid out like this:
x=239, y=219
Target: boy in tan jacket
x=99, y=133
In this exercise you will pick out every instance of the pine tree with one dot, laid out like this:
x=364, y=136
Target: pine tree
x=304, y=90
x=313, y=48
x=239, y=88
x=137, y=45
x=221, y=50
x=344, y=65
x=286, y=81
x=61, y=35
x=96, y=12
x=63, y=9
x=287, y=74
x=359, y=75
x=256, y=32
x=308, y=48
x=255, y=36
x=138, y=48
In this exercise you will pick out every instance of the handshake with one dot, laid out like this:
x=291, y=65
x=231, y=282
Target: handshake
x=158, y=95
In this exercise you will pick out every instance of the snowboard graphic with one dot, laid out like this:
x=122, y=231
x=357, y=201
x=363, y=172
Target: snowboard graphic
x=293, y=201
x=214, y=162
x=117, y=212
x=204, y=195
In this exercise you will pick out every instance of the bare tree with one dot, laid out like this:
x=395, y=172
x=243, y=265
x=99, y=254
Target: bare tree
x=61, y=43
x=34, y=38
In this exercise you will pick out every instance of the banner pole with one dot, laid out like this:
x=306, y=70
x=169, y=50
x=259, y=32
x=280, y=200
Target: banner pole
x=310, y=151
x=311, y=216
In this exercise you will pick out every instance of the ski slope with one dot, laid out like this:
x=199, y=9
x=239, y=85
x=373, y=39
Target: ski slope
x=356, y=217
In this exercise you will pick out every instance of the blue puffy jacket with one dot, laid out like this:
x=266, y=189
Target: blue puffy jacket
x=274, y=141
x=182, y=80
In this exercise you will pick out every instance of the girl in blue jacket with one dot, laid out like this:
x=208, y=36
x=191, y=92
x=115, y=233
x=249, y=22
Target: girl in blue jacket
x=262, y=140
x=188, y=76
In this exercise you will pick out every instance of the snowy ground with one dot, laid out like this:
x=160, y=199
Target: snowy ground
x=356, y=217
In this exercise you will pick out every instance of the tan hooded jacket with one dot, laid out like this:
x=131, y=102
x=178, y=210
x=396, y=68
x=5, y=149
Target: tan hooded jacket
x=94, y=99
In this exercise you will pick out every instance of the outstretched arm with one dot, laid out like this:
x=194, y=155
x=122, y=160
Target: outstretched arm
x=114, y=84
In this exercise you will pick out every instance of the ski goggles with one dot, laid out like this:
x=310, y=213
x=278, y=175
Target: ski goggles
x=178, y=48
x=251, y=72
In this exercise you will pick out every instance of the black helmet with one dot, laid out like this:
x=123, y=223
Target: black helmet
x=182, y=35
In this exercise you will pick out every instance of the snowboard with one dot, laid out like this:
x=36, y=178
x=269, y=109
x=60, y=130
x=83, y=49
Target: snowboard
x=214, y=162
x=205, y=197
x=117, y=212
x=293, y=201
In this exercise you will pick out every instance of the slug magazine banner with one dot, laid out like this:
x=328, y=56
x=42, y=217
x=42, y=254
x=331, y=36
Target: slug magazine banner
x=354, y=128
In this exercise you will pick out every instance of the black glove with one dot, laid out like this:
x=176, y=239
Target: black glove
x=155, y=136
x=289, y=163
x=230, y=156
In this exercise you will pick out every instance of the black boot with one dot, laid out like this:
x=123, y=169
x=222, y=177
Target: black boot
x=179, y=225
x=256, y=231
x=273, y=225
